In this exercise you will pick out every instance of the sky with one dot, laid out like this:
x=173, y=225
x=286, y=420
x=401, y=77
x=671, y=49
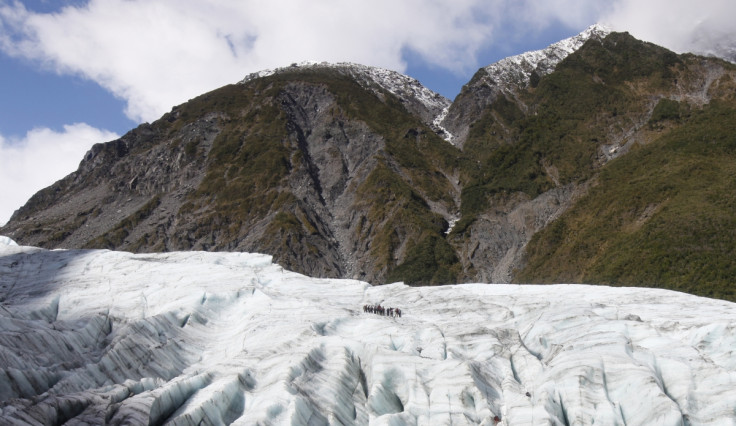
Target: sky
x=79, y=72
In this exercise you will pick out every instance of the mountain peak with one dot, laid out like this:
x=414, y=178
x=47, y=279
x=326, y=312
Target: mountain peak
x=507, y=76
x=415, y=96
x=518, y=69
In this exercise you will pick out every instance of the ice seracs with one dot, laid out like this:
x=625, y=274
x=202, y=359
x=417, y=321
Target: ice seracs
x=192, y=338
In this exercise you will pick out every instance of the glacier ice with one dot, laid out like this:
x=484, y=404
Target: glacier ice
x=96, y=336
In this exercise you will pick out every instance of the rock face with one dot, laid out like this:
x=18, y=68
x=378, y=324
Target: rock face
x=351, y=171
x=308, y=163
x=542, y=145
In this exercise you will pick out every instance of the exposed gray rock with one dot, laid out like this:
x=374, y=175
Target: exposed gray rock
x=498, y=238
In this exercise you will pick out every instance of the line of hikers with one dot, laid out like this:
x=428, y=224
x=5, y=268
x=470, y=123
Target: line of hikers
x=380, y=310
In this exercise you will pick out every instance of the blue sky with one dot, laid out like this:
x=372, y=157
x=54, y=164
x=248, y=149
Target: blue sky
x=37, y=96
x=78, y=72
x=34, y=97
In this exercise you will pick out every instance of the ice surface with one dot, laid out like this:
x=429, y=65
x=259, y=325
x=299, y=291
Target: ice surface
x=190, y=338
x=5, y=241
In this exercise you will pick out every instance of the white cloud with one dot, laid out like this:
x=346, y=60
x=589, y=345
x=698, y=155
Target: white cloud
x=158, y=53
x=539, y=14
x=37, y=160
x=704, y=26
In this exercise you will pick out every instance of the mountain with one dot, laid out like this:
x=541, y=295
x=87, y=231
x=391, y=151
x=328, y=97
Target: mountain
x=601, y=159
x=330, y=168
x=190, y=338
x=611, y=141
x=508, y=77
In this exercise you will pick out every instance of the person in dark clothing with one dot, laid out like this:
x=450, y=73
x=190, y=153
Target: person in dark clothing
x=383, y=311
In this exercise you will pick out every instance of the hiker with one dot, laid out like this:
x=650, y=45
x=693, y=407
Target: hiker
x=383, y=311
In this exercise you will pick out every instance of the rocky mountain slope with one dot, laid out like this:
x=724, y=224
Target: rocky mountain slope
x=351, y=171
x=331, y=169
x=542, y=146
x=507, y=77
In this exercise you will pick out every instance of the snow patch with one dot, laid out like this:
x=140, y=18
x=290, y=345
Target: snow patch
x=517, y=70
x=437, y=123
x=451, y=224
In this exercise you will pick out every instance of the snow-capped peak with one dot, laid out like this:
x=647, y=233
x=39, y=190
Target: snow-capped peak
x=428, y=104
x=518, y=69
x=399, y=84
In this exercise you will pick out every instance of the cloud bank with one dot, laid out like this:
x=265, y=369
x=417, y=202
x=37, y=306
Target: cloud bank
x=38, y=159
x=158, y=53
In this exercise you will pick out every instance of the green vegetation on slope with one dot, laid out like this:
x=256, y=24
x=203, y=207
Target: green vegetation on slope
x=397, y=214
x=116, y=236
x=662, y=216
x=572, y=112
x=247, y=164
x=668, y=110
x=431, y=260
x=258, y=150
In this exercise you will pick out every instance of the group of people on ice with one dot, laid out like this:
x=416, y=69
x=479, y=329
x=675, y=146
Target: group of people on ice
x=380, y=310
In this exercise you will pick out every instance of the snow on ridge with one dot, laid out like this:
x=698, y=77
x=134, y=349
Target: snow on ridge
x=399, y=84
x=269, y=72
x=518, y=69
x=191, y=337
x=437, y=123
x=433, y=106
x=403, y=86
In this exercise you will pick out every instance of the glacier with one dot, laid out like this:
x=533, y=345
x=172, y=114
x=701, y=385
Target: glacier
x=186, y=338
